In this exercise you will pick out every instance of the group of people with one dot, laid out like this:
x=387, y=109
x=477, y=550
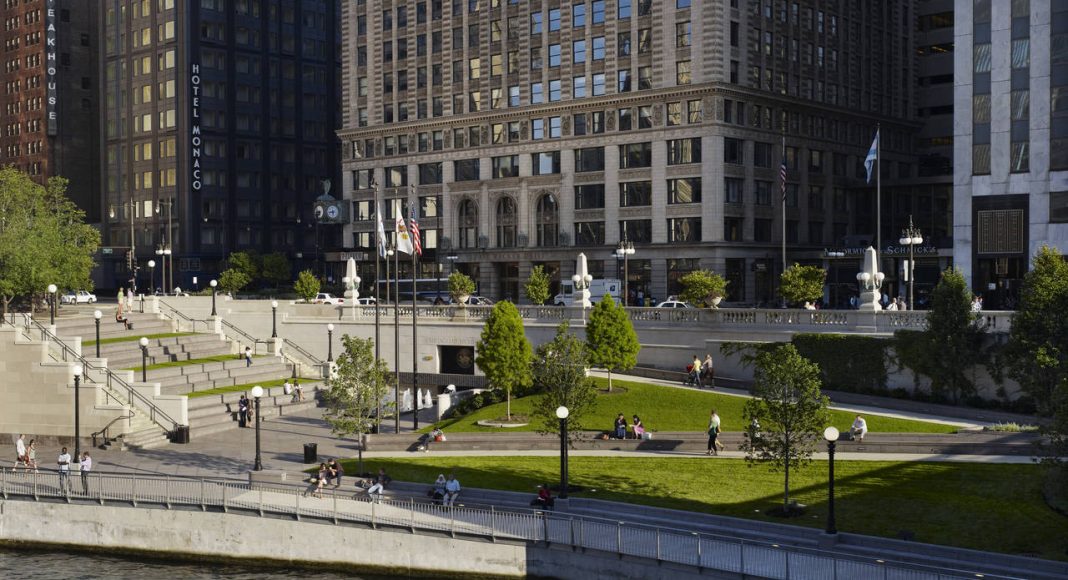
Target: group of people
x=977, y=304
x=294, y=390
x=26, y=456
x=445, y=490
x=619, y=429
x=329, y=474
x=245, y=413
x=701, y=372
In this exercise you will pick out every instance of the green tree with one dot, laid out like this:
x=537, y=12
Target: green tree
x=560, y=376
x=460, y=285
x=503, y=352
x=702, y=287
x=358, y=386
x=1037, y=351
x=799, y=284
x=276, y=269
x=953, y=337
x=537, y=287
x=790, y=409
x=248, y=263
x=306, y=286
x=610, y=338
x=232, y=281
x=43, y=238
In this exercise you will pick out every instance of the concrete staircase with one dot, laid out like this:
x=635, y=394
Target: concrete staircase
x=181, y=380
x=141, y=434
x=85, y=326
x=127, y=354
x=215, y=413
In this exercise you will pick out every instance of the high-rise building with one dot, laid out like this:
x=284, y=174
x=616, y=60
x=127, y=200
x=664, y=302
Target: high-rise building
x=1011, y=140
x=49, y=102
x=218, y=129
x=527, y=132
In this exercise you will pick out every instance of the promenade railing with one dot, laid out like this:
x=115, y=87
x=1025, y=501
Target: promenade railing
x=665, y=544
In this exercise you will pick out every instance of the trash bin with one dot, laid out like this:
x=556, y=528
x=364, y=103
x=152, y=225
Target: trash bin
x=180, y=434
x=311, y=453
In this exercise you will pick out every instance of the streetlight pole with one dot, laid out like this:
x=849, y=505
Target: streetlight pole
x=912, y=238
x=274, y=319
x=562, y=413
x=213, y=284
x=625, y=250
x=257, y=392
x=77, y=409
x=152, y=273
x=52, y=304
x=144, y=359
x=97, y=315
x=330, y=342
x=831, y=435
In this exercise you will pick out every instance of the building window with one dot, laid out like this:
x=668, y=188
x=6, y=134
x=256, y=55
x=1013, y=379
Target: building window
x=637, y=231
x=598, y=84
x=1019, y=105
x=762, y=192
x=429, y=173
x=981, y=159
x=695, y=114
x=1021, y=53
x=554, y=55
x=636, y=194
x=681, y=230
x=547, y=215
x=554, y=91
x=680, y=151
x=733, y=151
x=506, y=223
x=578, y=51
x=685, y=190
x=733, y=189
x=982, y=58
x=589, y=233
x=589, y=196
x=467, y=216
x=674, y=114
x=761, y=154
x=547, y=163
x=1058, y=207
x=635, y=155
x=466, y=170
x=1019, y=158
x=682, y=34
x=762, y=230
x=591, y=159
x=682, y=72
x=732, y=229
x=578, y=87
x=506, y=166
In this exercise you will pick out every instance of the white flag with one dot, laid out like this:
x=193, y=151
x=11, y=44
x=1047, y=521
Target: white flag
x=873, y=153
x=404, y=241
x=381, y=231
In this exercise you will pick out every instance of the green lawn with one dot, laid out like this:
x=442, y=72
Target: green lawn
x=995, y=507
x=239, y=388
x=195, y=361
x=664, y=408
x=135, y=338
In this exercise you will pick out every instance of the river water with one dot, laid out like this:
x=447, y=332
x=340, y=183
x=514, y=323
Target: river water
x=17, y=564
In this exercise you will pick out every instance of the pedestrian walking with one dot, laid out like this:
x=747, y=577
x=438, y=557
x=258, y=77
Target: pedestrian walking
x=86, y=467
x=31, y=456
x=708, y=371
x=713, y=434
x=248, y=357
x=20, y=454
x=242, y=411
x=64, y=469
x=129, y=298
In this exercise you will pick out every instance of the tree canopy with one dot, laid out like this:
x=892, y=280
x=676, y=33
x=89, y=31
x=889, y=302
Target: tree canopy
x=43, y=238
x=537, y=287
x=460, y=285
x=953, y=337
x=702, y=287
x=276, y=269
x=307, y=285
x=802, y=284
x=503, y=352
x=560, y=377
x=610, y=338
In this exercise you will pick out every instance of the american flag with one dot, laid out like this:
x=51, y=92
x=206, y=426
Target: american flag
x=413, y=229
x=782, y=170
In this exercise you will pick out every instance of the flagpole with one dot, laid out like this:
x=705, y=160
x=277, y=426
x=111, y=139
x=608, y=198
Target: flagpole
x=783, y=192
x=415, y=342
x=878, y=194
x=396, y=331
x=378, y=317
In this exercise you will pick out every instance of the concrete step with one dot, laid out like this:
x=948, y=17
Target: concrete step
x=224, y=421
x=168, y=342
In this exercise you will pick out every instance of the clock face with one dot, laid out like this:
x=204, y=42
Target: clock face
x=318, y=212
x=332, y=212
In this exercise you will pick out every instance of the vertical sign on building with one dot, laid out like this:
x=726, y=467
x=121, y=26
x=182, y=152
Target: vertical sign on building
x=195, y=138
x=51, y=63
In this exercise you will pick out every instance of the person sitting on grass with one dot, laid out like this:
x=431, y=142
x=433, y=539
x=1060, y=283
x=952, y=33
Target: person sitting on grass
x=859, y=429
x=545, y=498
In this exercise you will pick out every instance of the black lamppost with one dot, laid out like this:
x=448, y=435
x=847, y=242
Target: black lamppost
x=213, y=284
x=329, y=343
x=52, y=304
x=911, y=237
x=97, y=315
x=144, y=359
x=274, y=319
x=625, y=250
x=152, y=273
x=831, y=435
x=257, y=392
x=77, y=409
x=562, y=413
x=452, y=262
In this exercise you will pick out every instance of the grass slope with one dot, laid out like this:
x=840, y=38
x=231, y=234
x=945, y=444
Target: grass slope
x=664, y=408
x=195, y=361
x=248, y=387
x=135, y=338
x=994, y=507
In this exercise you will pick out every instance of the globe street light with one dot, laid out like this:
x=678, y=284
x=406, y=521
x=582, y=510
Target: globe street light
x=77, y=411
x=257, y=392
x=562, y=414
x=329, y=343
x=625, y=250
x=97, y=315
x=52, y=304
x=144, y=359
x=274, y=319
x=213, y=284
x=911, y=237
x=831, y=435
x=152, y=272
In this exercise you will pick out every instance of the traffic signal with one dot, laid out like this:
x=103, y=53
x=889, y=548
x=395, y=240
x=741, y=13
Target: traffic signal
x=129, y=260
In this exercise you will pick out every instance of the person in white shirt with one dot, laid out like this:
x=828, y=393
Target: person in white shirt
x=64, y=469
x=86, y=466
x=859, y=429
x=892, y=305
x=287, y=387
x=452, y=489
x=20, y=454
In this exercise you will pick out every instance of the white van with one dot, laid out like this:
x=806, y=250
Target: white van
x=598, y=288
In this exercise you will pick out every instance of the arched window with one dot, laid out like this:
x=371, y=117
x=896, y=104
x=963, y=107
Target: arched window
x=506, y=223
x=468, y=223
x=548, y=221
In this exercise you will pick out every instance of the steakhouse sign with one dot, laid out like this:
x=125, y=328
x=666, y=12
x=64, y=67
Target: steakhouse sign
x=51, y=62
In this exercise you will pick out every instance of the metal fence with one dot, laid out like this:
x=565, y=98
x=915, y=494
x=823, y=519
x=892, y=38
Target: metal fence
x=707, y=551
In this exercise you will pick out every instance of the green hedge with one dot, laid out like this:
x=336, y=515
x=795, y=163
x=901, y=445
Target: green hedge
x=847, y=363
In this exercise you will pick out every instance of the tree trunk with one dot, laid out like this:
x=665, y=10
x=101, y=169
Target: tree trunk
x=786, y=490
x=609, y=380
x=508, y=404
x=360, y=455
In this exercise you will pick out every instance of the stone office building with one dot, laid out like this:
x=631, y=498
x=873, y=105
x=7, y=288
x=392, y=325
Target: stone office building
x=527, y=132
x=49, y=101
x=218, y=130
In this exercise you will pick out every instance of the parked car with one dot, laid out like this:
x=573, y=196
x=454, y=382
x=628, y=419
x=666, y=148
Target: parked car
x=366, y=301
x=79, y=297
x=324, y=298
x=674, y=304
x=475, y=301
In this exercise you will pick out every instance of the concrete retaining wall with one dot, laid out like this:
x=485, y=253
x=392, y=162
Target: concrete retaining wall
x=385, y=551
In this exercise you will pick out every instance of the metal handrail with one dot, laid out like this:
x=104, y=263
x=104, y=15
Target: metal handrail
x=133, y=397
x=703, y=550
x=290, y=345
x=104, y=432
x=175, y=313
x=243, y=335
